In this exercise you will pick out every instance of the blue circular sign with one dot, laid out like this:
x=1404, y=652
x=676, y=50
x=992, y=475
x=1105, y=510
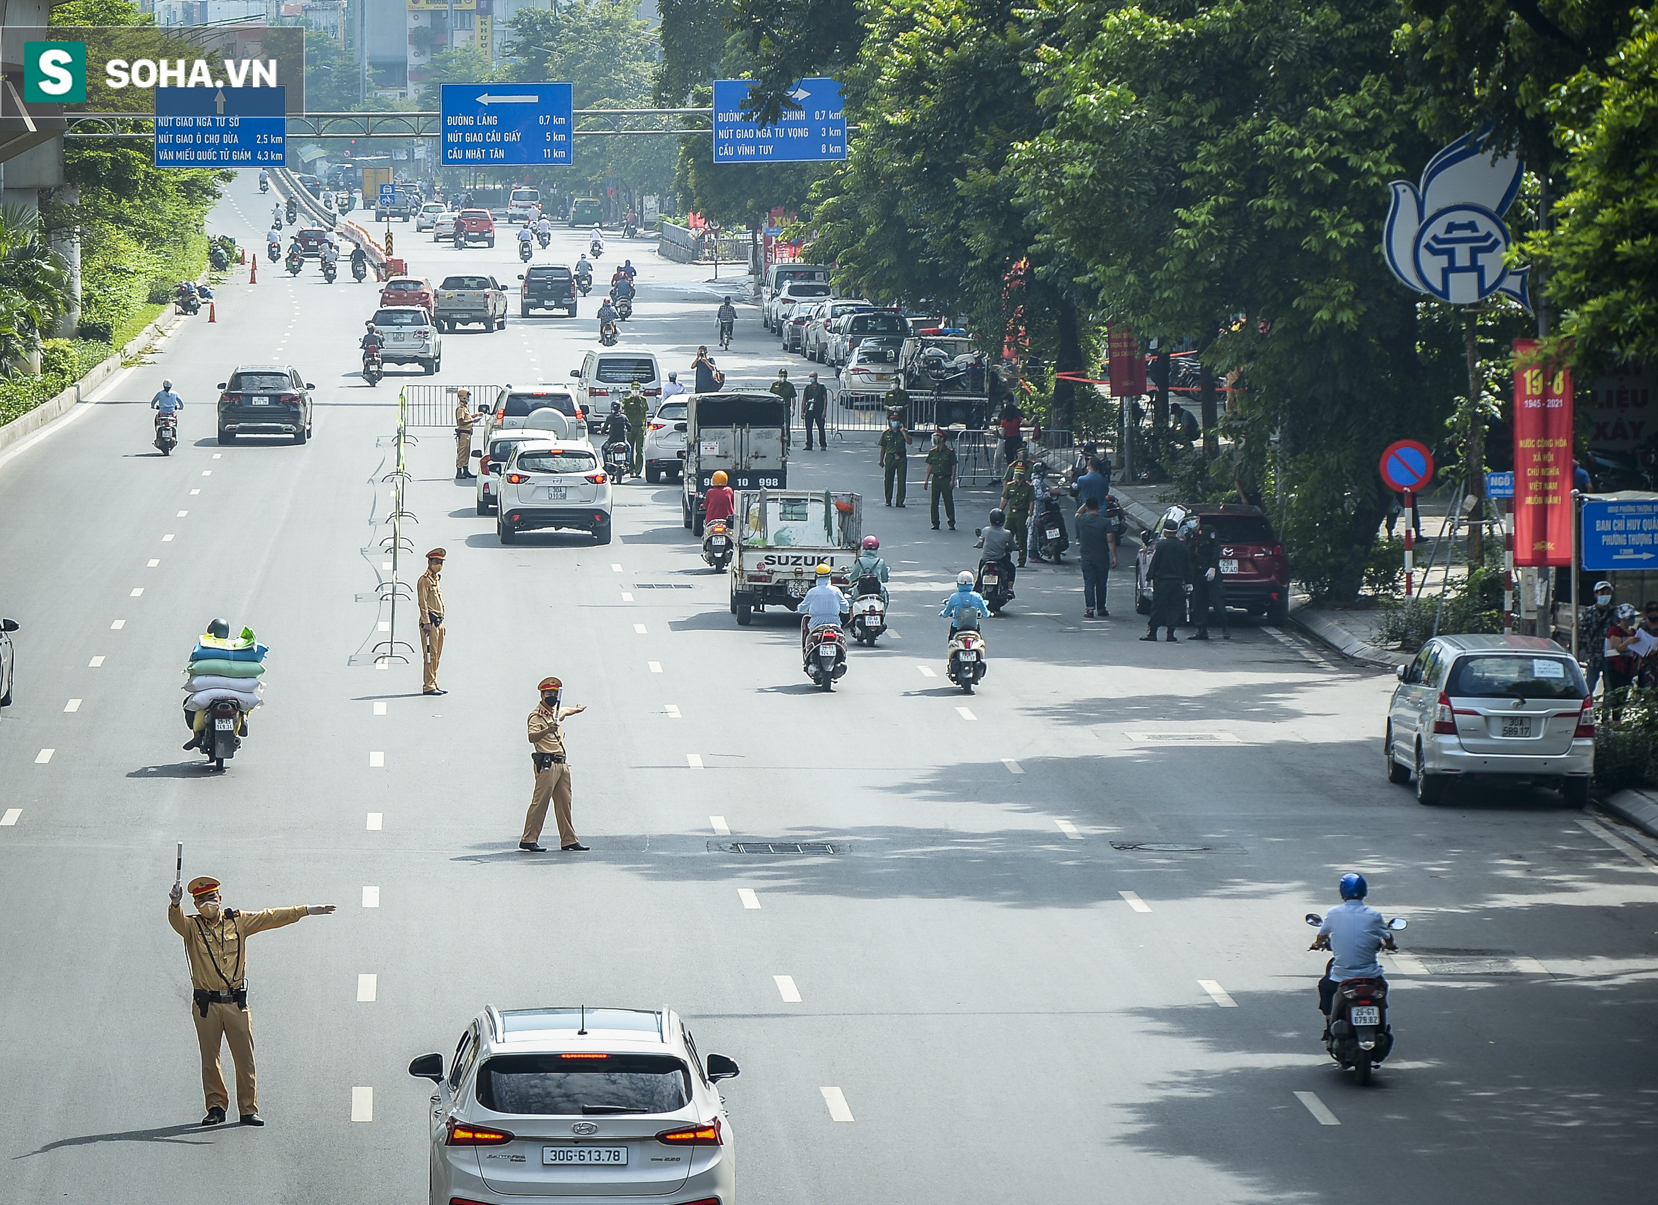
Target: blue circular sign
x=1407, y=465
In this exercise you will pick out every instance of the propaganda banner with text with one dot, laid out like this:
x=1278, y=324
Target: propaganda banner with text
x=1126, y=363
x=1542, y=459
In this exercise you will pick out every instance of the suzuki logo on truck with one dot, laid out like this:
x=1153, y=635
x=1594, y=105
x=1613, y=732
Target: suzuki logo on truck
x=814, y=561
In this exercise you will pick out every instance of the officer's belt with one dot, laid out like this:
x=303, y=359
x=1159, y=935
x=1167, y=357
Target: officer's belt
x=203, y=997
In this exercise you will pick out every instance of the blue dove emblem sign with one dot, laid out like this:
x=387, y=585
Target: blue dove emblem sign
x=1446, y=237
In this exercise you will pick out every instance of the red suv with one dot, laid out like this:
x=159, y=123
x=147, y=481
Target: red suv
x=1253, y=566
x=409, y=290
x=474, y=226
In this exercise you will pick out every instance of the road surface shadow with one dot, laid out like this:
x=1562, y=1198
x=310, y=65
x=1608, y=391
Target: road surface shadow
x=171, y=1134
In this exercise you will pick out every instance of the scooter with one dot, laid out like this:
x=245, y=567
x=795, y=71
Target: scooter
x=965, y=662
x=624, y=308
x=595, y=250
x=296, y=263
x=716, y=545
x=608, y=335
x=630, y=230
x=1358, y=1036
x=166, y=433
x=525, y=251
x=373, y=367
x=186, y=302
x=219, y=740
x=264, y=186
x=293, y=211
x=618, y=458
x=329, y=271
x=359, y=270
x=585, y=284
x=1050, y=523
x=825, y=658
x=992, y=585
x=869, y=612
x=274, y=251
x=544, y=237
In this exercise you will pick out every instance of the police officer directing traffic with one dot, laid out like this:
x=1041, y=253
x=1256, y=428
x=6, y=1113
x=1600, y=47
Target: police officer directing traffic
x=465, y=417
x=429, y=598
x=215, y=942
x=552, y=771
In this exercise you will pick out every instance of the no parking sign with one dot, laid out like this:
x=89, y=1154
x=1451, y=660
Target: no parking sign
x=1407, y=465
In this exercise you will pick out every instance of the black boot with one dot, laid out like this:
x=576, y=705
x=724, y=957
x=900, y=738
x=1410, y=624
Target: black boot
x=1202, y=634
x=1151, y=636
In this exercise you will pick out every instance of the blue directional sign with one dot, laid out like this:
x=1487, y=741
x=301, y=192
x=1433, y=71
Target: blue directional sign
x=813, y=133
x=1499, y=485
x=506, y=125
x=221, y=127
x=388, y=195
x=1619, y=534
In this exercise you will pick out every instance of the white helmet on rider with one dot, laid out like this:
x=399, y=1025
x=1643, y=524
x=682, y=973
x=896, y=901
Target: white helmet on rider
x=964, y=580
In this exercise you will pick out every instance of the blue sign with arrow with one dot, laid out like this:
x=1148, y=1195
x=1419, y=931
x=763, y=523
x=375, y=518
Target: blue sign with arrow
x=506, y=125
x=221, y=127
x=813, y=133
x=1620, y=534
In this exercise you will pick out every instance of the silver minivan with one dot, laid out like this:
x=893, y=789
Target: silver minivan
x=1497, y=706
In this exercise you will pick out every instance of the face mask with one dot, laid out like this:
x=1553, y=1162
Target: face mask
x=210, y=912
x=895, y=424
x=551, y=700
x=1603, y=599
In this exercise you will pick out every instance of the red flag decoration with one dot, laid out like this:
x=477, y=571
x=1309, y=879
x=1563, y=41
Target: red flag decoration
x=1542, y=459
x=1127, y=364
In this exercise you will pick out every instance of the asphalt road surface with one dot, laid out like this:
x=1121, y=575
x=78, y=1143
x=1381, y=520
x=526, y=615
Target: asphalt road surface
x=1013, y=1002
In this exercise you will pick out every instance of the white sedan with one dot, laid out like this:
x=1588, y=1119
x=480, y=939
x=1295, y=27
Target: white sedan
x=870, y=375
x=443, y=227
x=428, y=214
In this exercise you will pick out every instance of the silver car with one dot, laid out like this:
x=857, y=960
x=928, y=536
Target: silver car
x=7, y=665
x=579, y=1105
x=1498, y=706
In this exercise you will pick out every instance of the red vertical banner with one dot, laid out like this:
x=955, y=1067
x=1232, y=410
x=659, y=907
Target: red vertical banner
x=1542, y=459
x=1126, y=363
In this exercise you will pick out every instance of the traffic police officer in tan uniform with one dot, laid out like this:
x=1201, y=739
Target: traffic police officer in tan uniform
x=429, y=598
x=465, y=416
x=215, y=942
x=552, y=771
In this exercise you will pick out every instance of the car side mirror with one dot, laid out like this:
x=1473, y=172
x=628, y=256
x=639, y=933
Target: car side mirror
x=1399, y=672
x=479, y=454
x=520, y=276
x=1314, y=919
x=1145, y=535
x=309, y=385
x=8, y=625
x=575, y=372
x=428, y=1066
x=1396, y=923
x=220, y=385
x=720, y=1067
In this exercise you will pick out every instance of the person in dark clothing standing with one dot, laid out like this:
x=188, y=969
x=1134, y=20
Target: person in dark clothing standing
x=1208, y=588
x=814, y=401
x=1170, y=570
x=1097, y=550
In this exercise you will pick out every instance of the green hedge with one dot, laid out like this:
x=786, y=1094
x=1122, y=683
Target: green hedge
x=62, y=363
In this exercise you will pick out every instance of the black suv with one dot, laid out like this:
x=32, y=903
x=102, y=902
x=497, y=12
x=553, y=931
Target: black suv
x=265, y=399
x=547, y=288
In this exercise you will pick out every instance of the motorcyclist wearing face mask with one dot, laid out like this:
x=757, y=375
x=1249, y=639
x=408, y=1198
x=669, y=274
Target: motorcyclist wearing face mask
x=823, y=604
x=615, y=427
x=964, y=603
x=1591, y=633
x=870, y=563
x=999, y=545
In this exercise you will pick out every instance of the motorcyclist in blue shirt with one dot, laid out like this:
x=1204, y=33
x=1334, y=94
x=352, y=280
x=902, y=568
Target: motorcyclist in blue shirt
x=965, y=607
x=166, y=402
x=823, y=604
x=1353, y=932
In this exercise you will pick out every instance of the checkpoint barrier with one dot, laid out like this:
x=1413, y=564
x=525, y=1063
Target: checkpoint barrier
x=433, y=405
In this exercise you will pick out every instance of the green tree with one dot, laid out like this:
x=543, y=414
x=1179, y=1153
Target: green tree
x=693, y=34
x=463, y=65
x=34, y=288
x=783, y=42
x=332, y=82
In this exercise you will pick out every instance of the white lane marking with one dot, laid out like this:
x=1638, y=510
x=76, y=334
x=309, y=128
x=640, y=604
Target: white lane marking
x=640, y=628
x=966, y=713
x=1405, y=964
x=1528, y=966
x=380, y=707
x=787, y=989
x=368, y=987
x=1069, y=829
x=376, y=760
x=72, y=705
x=694, y=760
x=10, y=818
x=627, y=596
x=207, y=472
x=95, y=663
x=362, y=1104
x=168, y=538
x=1217, y=993
x=839, y=1110
x=672, y=710
x=615, y=568
x=195, y=491
x=1133, y=900
x=1629, y=851
x=655, y=666
x=44, y=756
x=137, y=592
x=1013, y=767
x=218, y=456
x=746, y=894
x=720, y=827
x=153, y=563
x=926, y=671
x=1318, y=1108
x=181, y=515
x=117, y=625
x=374, y=819
x=371, y=897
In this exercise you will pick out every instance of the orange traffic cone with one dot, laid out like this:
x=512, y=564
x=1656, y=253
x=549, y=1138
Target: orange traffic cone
x=241, y=255
x=212, y=312
x=253, y=276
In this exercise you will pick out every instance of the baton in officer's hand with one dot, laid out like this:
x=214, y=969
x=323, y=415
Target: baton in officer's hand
x=177, y=893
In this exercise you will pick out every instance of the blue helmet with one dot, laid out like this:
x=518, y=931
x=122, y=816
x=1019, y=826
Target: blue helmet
x=1353, y=887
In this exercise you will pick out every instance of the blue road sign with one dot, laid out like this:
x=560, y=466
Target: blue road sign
x=1619, y=534
x=812, y=133
x=221, y=127
x=388, y=195
x=1499, y=485
x=506, y=125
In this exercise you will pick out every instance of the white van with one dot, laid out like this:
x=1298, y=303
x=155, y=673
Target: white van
x=607, y=376
x=523, y=204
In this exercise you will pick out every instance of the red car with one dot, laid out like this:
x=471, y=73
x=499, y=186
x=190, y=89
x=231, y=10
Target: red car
x=409, y=290
x=1253, y=566
x=311, y=240
x=474, y=226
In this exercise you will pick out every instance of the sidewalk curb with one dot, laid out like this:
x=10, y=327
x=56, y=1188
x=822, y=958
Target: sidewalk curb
x=1328, y=632
x=1634, y=806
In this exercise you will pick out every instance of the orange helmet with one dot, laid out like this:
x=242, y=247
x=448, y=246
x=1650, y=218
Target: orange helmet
x=720, y=478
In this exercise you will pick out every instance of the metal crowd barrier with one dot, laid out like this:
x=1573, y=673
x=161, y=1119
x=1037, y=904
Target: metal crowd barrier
x=433, y=405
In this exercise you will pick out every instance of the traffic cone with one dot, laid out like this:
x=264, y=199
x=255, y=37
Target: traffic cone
x=253, y=276
x=241, y=255
x=212, y=312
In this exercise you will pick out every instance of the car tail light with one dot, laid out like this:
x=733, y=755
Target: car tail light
x=657, y=426
x=1444, y=723
x=291, y=399
x=595, y=391
x=596, y=478
x=462, y=1134
x=599, y=516
x=1586, y=719
x=517, y=478
x=708, y=1132
x=464, y=1201
x=500, y=415
x=653, y=393
x=226, y=397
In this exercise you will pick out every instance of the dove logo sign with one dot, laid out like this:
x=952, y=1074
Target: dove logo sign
x=1446, y=237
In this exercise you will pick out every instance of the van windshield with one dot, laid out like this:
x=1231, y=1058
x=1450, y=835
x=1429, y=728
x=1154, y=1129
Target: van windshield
x=1511, y=675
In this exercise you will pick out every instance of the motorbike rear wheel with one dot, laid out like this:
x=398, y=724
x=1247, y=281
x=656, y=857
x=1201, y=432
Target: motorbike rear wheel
x=1361, y=1068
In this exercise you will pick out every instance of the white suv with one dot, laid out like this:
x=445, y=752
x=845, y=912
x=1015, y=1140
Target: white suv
x=558, y=484
x=665, y=441
x=779, y=309
x=428, y=215
x=578, y=1104
x=407, y=336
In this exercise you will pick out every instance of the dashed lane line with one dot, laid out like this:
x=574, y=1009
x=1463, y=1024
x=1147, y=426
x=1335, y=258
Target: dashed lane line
x=966, y=713
x=694, y=760
x=654, y=666
x=627, y=596
x=615, y=568
x=10, y=818
x=371, y=897
x=181, y=515
x=207, y=472
x=926, y=671
x=168, y=538
x=362, y=1104
x=380, y=707
x=1217, y=993
x=1013, y=767
x=640, y=629
x=117, y=625
x=750, y=900
x=375, y=821
x=153, y=562
x=1318, y=1108
x=787, y=989
x=1069, y=829
x=195, y=491
x=44, y=756
x=95, y=663
x=72, y=705
x=672, y=711
x=376, y=760
x=839, y=1110
x=1133, y=900
x=720, y=827
x=368, y=987
x=137, y=592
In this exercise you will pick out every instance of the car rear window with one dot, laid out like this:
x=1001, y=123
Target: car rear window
x=313, y=234
x=466, y=282
x=1511, y=675
x=673, y=412
x=565, y=461
x=500, y=449
x=570, y=1085
x=547, y=274
x=799, y=289
x=400, y=318
x=620, y=370
x=1239, y=529
x=409, y=286
x=260, y=382
x=520, y=404
x=525, y=194
x=877, y=353
x=876, y=324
